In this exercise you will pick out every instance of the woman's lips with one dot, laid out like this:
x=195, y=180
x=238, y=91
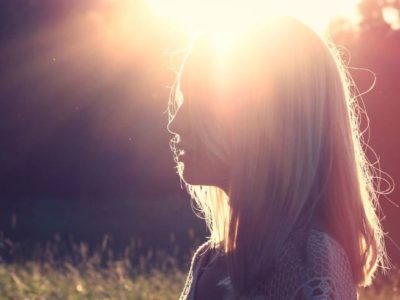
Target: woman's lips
x=183, y=153
x=183, y=149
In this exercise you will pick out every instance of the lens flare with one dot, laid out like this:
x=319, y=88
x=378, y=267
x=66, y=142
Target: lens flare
x=228, y=15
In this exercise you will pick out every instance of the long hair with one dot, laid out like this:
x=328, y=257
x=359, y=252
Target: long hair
x=295, y=151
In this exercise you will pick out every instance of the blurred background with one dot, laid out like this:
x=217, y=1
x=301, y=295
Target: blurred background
x=84, y=149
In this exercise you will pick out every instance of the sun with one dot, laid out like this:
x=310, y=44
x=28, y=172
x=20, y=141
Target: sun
x=231, y=15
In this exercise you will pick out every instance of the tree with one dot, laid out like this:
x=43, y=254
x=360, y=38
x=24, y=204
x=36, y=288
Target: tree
x=372, y=13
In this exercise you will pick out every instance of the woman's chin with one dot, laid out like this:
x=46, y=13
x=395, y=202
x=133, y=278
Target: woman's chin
x=194, y=173
x=195, y=179
x=190, y=177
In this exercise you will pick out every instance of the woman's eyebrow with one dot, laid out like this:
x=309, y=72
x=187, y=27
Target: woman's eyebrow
x=185, y=81
x=182, y=86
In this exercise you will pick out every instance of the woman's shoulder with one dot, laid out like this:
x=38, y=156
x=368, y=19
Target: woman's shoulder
x=195, y=264
x=310, y=266
x=324, y=251
x=328, y=269
x=314, y=266
x=324, y=255
x=201, y=250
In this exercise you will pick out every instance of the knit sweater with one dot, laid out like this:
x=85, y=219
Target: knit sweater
x=323, y=274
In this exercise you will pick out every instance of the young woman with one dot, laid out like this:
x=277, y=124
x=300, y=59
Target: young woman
x=268, y=144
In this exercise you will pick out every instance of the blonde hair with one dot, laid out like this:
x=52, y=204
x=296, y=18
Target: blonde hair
x=295, y=150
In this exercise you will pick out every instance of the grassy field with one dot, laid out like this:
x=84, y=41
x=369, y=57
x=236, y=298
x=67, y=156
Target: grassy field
x=33, y=281
x=97, y=275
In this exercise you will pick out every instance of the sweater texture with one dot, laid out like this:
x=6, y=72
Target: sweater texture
x=321, y=272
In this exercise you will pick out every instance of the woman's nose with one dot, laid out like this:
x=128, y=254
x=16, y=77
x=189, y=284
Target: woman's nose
x=178, y=122
x=169, y=128
x=172, y=126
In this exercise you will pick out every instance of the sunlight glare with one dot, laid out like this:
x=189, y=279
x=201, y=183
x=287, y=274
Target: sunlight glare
x=230, y=15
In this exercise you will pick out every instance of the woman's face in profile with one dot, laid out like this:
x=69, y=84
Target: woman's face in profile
x=199, y=113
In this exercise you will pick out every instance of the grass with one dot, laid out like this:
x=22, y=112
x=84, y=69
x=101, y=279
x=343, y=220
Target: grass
x=96, y=273
x=34, y=281
x=99, y=275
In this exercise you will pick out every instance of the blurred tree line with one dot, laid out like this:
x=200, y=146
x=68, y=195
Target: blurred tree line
x=371, y=49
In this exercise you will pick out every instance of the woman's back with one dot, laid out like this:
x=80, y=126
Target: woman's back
x=312, y=265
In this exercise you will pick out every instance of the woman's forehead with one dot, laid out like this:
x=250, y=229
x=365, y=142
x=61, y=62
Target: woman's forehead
x=204, y=68
x=197, y=73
